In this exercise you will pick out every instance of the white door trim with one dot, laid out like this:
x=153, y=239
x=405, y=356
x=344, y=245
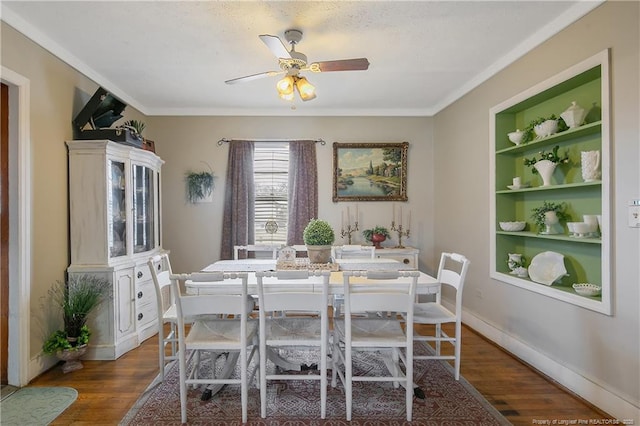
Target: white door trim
x=19, y=229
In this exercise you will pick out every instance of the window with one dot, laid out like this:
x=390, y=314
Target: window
x=271, y=176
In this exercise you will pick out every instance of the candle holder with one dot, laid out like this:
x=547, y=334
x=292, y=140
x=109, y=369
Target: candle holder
x=350, y=230
x=401, y=233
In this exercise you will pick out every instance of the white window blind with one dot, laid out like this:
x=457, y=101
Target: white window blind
x=271, y=177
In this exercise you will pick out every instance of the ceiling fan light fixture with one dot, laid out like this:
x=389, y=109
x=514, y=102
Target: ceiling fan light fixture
x=306, y=90
x=285, y=88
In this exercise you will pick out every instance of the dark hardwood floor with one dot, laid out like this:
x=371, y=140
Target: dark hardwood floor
x=108, y=389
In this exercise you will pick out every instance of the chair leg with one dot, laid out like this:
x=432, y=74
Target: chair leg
x=263, y=379
x=161, y=349
x=438, y=335
x=183, y=386
x=348, y=383
x=457, y=349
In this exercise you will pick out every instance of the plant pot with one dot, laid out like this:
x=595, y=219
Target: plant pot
x=319, y=254
x=550, y=219
x=71, y=358
x=376, y=239
x=545, y=168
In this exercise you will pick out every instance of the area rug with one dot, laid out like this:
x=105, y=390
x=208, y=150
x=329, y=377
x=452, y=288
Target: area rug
x=447, y=401
x=35, y=406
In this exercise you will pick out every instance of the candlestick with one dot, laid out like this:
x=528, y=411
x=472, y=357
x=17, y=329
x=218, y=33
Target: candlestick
x=401, y=232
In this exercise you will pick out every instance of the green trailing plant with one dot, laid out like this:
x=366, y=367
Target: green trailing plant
x=538, y=213
x=75, y=299
x=380, y=230
x=318, y=233
x=136, y=125
x=199, y=185
x=551, y=156
x=529, y=133
x=58, y=341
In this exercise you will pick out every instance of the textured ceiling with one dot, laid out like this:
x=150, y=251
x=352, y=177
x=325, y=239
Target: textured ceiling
x=172, y=57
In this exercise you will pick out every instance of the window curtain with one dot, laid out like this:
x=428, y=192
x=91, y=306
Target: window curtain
x=303, y=189
x=239, y=199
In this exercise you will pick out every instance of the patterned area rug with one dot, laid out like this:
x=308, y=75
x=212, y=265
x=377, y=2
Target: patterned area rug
x=447, y=402
x=36, y=406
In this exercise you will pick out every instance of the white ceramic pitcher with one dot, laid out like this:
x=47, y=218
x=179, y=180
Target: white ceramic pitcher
x=590, y=161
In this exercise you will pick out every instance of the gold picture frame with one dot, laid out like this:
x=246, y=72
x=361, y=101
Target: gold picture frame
x=370, y=171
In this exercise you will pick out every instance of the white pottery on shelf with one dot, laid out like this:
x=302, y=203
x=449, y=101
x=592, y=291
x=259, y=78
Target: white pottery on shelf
x=590, y=163
x=574, y=115
x=545, y=168
x=547, y=267
x=587, y=289
x=516, y=137
x=550, y=219
x=547, y=128
x=514, y=262
x=592, y=221
x=512, y=226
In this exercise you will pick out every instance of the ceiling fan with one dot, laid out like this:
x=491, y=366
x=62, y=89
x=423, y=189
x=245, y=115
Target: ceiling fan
x=292, y=62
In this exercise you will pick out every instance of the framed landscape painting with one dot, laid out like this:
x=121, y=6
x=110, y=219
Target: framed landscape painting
x=370, y=171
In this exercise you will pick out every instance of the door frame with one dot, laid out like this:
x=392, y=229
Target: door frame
x=19, y=227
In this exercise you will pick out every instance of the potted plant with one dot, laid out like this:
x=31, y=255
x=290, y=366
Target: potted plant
x=555, y=125
x=547, y=215
x=318, y=236
x=76, y=299
x=199, y=186
x=136, y=126
x=546, y=163
x=376, y=235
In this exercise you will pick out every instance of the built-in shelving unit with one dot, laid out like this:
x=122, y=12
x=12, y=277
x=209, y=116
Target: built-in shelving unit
x=586, y=259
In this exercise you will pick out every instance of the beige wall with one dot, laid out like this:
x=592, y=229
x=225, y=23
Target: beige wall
x=603, y=349
x=192, y=231
x=58, y=92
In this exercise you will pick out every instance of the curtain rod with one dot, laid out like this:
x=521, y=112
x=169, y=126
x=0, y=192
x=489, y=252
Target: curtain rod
x=225, y=140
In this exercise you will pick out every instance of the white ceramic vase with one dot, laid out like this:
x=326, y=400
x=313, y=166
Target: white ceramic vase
x=545, y=168
x=550, y=219
x=514, y=261
x=590, y=162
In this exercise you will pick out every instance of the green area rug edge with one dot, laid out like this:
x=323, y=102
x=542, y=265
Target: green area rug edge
x=36, y=405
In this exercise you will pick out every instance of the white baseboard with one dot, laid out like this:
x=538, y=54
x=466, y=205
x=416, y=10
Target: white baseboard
x=615, y=405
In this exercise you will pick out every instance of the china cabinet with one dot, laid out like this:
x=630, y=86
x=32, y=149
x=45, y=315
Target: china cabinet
x=586, y=256
x=114, y=212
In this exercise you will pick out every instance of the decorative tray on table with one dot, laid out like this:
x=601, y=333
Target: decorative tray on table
x=302, y=263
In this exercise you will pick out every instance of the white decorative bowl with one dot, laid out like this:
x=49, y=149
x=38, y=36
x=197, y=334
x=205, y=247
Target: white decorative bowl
x=586, y=289
x=512, y=226
x=516, y=137
x=547, y=267
x=547, y=128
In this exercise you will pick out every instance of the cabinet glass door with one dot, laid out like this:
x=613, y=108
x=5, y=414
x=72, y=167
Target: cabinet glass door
x=117, y=216
x=143, y=209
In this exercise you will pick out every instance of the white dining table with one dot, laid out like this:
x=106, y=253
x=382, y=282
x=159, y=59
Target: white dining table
x=426, y=283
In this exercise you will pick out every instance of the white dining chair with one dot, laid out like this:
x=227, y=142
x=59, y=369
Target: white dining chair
x=269, y=251
x=221, y=323
x=375, y=291
x=301, y=323
x=160, y=268
x=452, y=272
x=350, y=251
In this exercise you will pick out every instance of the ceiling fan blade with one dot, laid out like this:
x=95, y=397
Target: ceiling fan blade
x=276, y=46
x=357, y=64
x=253, y=77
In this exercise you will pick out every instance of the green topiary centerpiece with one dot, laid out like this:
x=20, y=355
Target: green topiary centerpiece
x=318, y=236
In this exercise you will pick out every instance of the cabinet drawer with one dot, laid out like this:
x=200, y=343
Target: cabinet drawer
x=145, y=292
x=142, y=273
x=145, y=313
x=408, y=260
